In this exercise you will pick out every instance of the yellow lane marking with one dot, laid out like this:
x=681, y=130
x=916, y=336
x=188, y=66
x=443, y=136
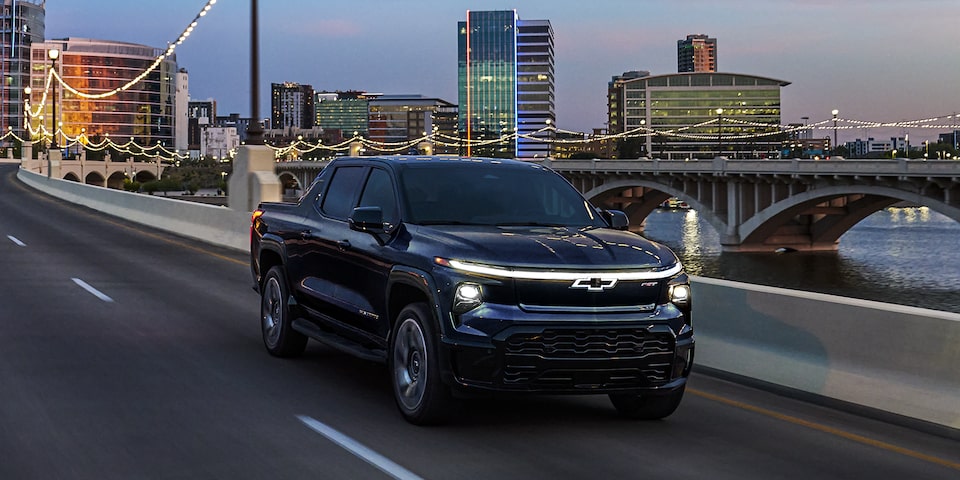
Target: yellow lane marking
x=827, y=429
x=106, y=219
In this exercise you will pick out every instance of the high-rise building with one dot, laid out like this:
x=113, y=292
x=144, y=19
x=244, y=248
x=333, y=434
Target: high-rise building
x=21, y=25
x=686, y=115
x=141, y=110
x=182, y=102
x=506, y=84
x=616, y=102
x=698, y=53
x=292, y=106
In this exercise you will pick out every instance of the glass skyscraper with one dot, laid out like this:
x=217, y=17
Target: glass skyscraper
x=21, y=25
x=506, y=85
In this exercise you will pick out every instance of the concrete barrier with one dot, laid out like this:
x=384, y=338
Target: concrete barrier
x=208, y=223
x=892, y=358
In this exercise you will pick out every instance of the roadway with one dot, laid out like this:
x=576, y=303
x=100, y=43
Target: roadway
x=130, y=353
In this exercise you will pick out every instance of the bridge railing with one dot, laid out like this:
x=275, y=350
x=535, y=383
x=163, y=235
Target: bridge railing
x=895, y=167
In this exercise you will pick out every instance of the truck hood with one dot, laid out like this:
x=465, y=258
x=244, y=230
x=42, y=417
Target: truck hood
x=546, y=247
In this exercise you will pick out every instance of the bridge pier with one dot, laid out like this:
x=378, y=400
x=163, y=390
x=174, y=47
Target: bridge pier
x=254, y=178
x=54, y=159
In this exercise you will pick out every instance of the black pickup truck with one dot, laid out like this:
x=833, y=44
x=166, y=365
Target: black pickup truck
x=472, y=275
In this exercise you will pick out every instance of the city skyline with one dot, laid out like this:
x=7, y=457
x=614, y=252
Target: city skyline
x=834, y=55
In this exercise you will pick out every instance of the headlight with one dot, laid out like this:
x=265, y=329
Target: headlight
x=467, y=297
x=680, y=294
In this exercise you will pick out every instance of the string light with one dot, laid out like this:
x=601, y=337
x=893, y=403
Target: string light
x=156, y=63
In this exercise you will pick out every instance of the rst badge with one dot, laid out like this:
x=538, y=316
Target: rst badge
x=594, y=284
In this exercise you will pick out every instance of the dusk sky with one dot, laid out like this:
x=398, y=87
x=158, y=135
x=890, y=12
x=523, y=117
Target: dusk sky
x=874, y=60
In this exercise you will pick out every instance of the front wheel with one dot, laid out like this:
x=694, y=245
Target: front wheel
x=647, y=407
x=279, y=336
x=413, y=362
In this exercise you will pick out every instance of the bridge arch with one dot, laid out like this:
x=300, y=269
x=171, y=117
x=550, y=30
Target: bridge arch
x=639, y=197
x=115, y=180
x=144, y=176
x=70, y=176
x=290, y=184
x=95, y=178
x=816, y=219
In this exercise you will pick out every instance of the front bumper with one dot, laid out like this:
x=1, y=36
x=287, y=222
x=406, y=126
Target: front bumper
x=649, y=353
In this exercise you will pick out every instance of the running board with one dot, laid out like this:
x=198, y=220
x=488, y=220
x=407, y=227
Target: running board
x=337, y=342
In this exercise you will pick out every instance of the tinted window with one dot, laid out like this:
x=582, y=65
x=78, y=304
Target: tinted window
x=492, y=194
x=338, y=202
x=379, y=192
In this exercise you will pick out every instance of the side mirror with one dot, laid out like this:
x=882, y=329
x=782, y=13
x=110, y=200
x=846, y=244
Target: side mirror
x=367, y=219
x=616, y=218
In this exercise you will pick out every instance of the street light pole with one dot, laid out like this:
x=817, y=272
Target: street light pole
x=835, y=113
x=254, y=129
x=719, y=132
x=54, y=54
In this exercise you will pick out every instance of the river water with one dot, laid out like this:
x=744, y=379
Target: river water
x=907, y=256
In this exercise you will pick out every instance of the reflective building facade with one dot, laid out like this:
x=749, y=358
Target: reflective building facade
x=506, y=83
x=684, y=107
x=144, y=111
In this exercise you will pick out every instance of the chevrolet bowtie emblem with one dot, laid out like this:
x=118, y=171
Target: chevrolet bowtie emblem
x=594, y=284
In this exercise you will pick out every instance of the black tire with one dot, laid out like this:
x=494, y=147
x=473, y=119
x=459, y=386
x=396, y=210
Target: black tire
x=413, y=362
x=279, y=336
x=647, y=407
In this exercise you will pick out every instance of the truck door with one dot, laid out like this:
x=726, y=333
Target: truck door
x=343, y=278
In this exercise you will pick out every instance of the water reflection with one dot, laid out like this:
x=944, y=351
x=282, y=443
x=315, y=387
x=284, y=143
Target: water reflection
x=899, y=255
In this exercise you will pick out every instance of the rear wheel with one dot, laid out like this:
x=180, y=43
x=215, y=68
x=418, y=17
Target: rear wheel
x=413, y=362
x=279, y=336
x=647, y=407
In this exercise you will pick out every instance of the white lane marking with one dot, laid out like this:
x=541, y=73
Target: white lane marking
x=373, y=458
x=93, y=291
x=16, y=240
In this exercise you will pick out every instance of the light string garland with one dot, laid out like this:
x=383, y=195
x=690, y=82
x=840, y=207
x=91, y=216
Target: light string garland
x=299, y=146
x=158, y=150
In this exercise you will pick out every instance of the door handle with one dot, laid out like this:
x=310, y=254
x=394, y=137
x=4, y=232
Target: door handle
x=343, y=244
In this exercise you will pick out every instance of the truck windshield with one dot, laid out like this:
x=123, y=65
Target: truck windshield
x=492, y=194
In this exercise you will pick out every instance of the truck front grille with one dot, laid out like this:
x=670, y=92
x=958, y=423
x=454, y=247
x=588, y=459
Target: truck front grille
x=587, y=359
x=590, y=343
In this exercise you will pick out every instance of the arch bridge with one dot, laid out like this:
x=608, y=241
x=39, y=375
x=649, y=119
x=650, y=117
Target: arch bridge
x=107, y=173
x=755, y=205
x=765, y=205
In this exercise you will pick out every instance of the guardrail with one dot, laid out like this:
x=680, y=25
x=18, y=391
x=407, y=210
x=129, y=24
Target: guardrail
x=891, y=358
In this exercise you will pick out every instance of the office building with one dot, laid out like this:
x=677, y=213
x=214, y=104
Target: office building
x=676, y=115
x=343, y=113
x=697, y=53
x=615, y=100
x=506, y=84
x=21, y=24
x=143, y=110
x=401, y=118
x=292, y=106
